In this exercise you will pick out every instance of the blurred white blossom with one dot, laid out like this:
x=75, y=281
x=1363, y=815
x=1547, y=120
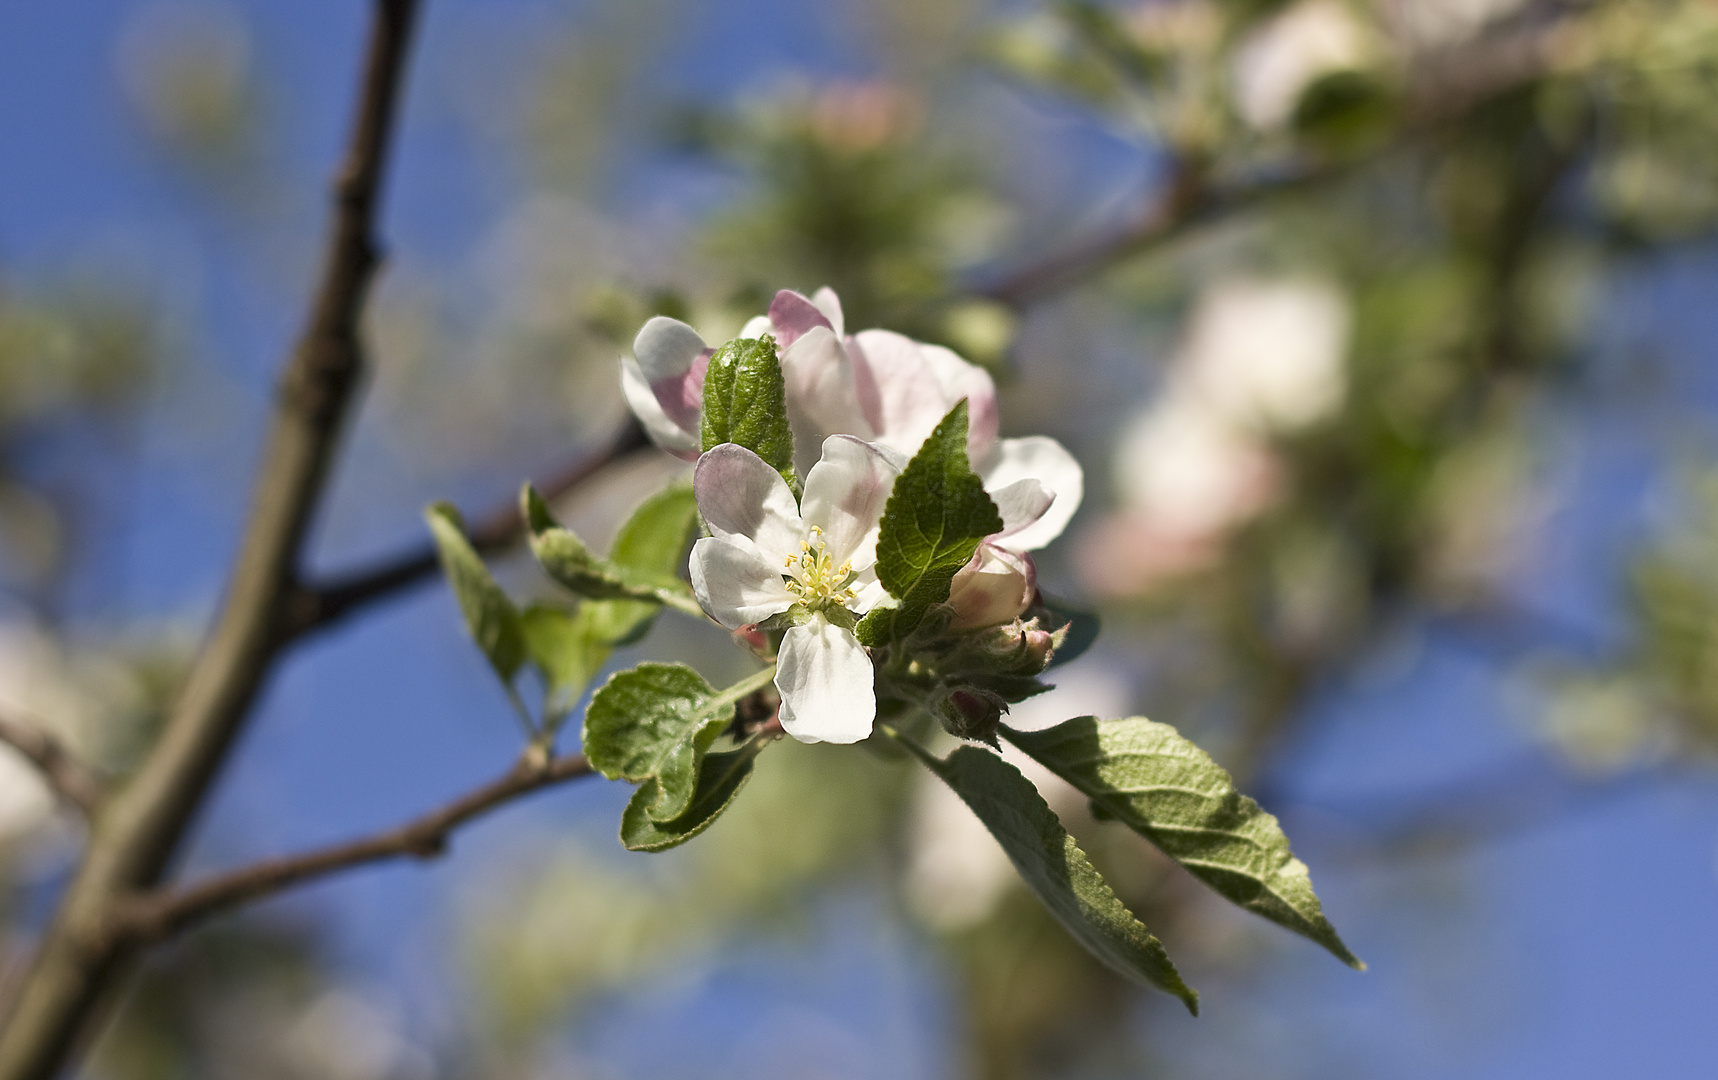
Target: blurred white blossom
x=66, y=695
x=1290, y=51
x=1438, y=24
x=1259, y=359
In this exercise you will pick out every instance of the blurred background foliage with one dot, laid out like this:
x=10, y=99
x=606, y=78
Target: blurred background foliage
x=1324, y=330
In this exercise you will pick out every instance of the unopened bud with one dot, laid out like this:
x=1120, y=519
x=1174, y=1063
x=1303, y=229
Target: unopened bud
x=972, y=714
x=754, y=639
x=994, y=587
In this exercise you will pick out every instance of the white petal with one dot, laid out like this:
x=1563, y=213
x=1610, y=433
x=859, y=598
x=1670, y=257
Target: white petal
x=666, y=348
x=756, y=327
x=868, y=592
x=827, y=302
x=735, y=582
x=845, y=493
x=740, y=495
x=961, y=379
x=792, y=315
x=665, y=432
x=825, y=680
x=1021, y=504
x=1045, y=460
x=901, y=394
x=821, y=381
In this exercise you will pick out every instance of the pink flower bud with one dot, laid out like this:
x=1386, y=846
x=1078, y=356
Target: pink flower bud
x=753, y=638
x=994, y=587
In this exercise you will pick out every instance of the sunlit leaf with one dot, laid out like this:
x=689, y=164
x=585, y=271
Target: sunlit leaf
x=1056, y=869
x=656, y=722
x=489, y=615
x=745, y=402
x=1168, y=790
x=569, y=561
x=720, y=778
x=935, y=517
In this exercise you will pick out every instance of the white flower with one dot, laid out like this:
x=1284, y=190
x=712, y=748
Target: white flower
x=1292, y=50
x=878, y=386
x=768, y=555
x=664, y=384
x=1260, y=359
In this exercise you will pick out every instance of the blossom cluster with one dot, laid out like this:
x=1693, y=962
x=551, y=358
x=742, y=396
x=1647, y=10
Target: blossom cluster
x=860, y=406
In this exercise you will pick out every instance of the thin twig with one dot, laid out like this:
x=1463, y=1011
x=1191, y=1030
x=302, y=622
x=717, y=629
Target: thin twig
x=318, y=605
x=1442, y=89
x=66, y=776
x=141, y=828
x=153, y=917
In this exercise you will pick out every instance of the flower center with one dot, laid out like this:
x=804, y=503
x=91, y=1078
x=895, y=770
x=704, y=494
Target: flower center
x=813, y=576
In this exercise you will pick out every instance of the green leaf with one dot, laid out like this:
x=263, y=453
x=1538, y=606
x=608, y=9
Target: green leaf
x=655, y=537
x=1056, y=869
x=489, y=615
x=745, y=402
x=720, y=779
x=656, y=722
x=652, y=542
x=569, y=561
x=933, y=522
x=568, y=647
x=1168, y=790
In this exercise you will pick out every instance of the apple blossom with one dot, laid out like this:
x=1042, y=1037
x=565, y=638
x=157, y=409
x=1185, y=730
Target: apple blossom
x=876, y=385
x=813, y=561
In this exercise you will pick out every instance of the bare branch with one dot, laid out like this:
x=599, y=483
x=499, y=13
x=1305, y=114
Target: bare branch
x=1441, y=88
x=156, y=916
x=69, y=779
x=145, y=823
x=319, y=605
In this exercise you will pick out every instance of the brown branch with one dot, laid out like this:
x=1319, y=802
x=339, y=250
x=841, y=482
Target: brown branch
x=319, y=605
x=68, y=777
x=78, y=965
x=153, y=917
x=1441, y=89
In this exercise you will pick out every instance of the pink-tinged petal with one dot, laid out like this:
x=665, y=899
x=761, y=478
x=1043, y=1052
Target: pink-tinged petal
x=961, y=379
x=740, y=495
x=900, y=393
x=1045, y=460
x=1021, y=504
x=666, y=348
x=821, y=383
x=991, y=589
x=829, y=304
x=845, y=493
x=735, y=582
x=825, y=679
x=682, y=397
x=663, y=430
x=793, y=316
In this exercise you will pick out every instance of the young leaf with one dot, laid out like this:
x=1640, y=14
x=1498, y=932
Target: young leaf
x=568, y=647
x=489, y=615
x=653, y=542
x=1056, y=869
x=570, y=562
x=719, y=780
x=1083, y=627
x=1168, y=790
x=745, y=402
x=934, y=519
x=656, y=722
